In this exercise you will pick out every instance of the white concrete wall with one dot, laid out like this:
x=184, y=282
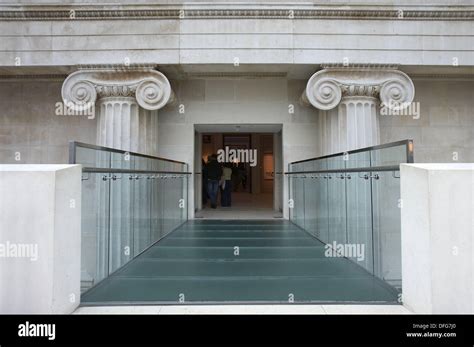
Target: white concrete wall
x=437, y=237
x=40, y=207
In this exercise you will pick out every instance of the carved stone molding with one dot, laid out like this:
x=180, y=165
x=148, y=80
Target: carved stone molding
x=94, y=13
x=326, y=88
x=149, y=87
x=33, y=78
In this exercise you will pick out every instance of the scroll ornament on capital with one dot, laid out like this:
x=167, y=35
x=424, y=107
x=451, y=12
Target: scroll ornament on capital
x=327, y=87
x=150, y=88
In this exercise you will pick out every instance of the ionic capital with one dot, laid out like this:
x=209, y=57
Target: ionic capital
x=327, y=87
x=149, y=87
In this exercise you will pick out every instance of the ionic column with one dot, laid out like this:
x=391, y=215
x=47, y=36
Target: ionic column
x=349, y=100
x=126, y=102
x=148, y=131
x=118, y=120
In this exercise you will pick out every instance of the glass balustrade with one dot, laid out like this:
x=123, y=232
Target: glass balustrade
x=351, y=202
x=129, y=202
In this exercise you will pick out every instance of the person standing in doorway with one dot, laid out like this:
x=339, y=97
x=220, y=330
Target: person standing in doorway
x=205, y=196
x=214, y=173
x=243, y=176
x=235, y=177
x=226, y=197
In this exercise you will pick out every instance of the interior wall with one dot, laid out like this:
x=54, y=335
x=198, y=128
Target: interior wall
x=278, y=173
x=266, y=147
x=262, y=142
x=213, y=146
x=256, y=170
x=198, y=188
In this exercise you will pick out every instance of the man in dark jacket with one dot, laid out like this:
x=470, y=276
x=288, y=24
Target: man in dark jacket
x=204, y=182
x=214, y=174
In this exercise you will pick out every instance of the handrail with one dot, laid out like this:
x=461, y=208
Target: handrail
x=356, y=169
x=74, y=144
x=112, y=170
x=409, y=143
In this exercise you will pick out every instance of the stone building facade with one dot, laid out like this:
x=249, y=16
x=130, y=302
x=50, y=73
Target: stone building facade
x=325, y=78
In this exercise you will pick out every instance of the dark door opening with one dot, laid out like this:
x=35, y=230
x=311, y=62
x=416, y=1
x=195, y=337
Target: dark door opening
x=251, y=157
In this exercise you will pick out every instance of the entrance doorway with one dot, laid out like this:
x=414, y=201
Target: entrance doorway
x=254, y=154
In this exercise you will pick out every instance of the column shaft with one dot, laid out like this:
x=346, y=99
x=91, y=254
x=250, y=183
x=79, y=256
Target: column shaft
x=352, y=124
x=148, y=131
x=118, y=123
x=124, y=125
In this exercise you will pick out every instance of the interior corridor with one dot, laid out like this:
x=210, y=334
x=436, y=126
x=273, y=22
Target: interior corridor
x=253, y=153
x=244, y=206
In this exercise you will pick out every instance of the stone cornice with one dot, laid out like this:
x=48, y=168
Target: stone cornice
x=84, y=13
x=116, y=67
x=207, y=75
x=359, y=66
x=151, y=88
x=443, y=77
x=326, y=87
x=30, y=77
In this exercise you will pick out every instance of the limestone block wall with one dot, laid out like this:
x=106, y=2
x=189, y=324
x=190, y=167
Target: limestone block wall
x=30, y=130
x=444, y=132
x=276, y=37
x=29, y=125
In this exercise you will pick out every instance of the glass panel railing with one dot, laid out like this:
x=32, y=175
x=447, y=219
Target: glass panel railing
x=95, y=227
x=297, y=191
x=321, y=209
x=358, y=208
x=129, y=202
x=387, y=231
x=310, y=196
x=351, y=202
x=336, y=200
